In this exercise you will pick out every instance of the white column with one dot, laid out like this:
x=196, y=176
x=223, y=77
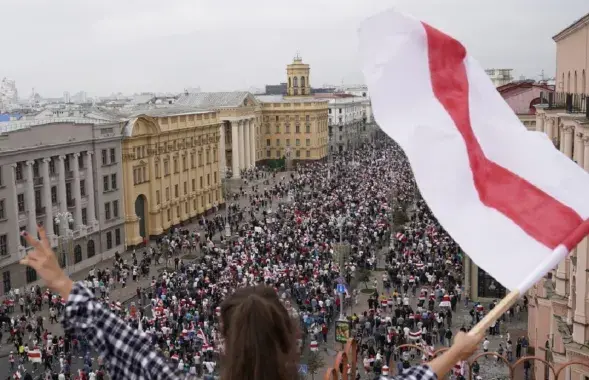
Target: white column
x=540, y=123
x=31, y=212
x=48, y=224
x=235, y=148
x=586, y=153
x=548, y=127
x=222, y=159
x=241, y=144
x=252, y=142
x=12, y=206
x=61, y=185
x=568, y=142
x=76, y=191
x=90, y=189
x=579, y=149
x=246, y=143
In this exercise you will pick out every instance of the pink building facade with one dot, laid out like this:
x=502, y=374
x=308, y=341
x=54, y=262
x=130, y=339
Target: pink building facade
x=522, y=97
x=559, y=305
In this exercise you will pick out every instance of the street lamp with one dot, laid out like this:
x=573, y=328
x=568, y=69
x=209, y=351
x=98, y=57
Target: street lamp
x=224, y=177
x=342, y=250
x=63, y=220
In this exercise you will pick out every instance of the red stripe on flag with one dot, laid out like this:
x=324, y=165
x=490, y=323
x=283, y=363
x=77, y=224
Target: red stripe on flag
x=541, y=216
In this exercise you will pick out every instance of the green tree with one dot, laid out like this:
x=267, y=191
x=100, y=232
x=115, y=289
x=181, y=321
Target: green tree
x=314, y=363
x=363, y=275
x=400, y=218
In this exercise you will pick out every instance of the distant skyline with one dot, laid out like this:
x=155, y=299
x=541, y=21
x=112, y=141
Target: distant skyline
x=133, y=46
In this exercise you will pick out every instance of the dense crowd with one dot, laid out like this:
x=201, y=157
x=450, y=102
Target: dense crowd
x=292, y=245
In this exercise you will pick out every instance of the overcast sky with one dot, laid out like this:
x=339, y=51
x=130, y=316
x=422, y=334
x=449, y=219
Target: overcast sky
x=106, y=46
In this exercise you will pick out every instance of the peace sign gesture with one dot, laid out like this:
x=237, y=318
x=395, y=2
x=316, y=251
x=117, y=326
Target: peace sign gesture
x=42, y=259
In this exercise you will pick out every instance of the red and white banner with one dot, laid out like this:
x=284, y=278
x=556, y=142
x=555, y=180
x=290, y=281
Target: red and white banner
x=415, y=335
x=34, y=356
x=512, y=201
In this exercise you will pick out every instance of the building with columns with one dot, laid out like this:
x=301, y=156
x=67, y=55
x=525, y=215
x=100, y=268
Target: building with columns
x=240, y=113
x=295, y=124
x=558, y=323
x=171, y=169
x=49, y=169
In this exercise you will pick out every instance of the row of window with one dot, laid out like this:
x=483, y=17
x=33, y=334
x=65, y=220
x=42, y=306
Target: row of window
x=67, y=162
x=194, y=205
x=109, y=156
x=297, y=142
x=287, y=129
x=185, y=187
x=114, y=208
x=140, y=152
x=109, y=182
x=279, y=153
x=282, y=118
x=21, y=204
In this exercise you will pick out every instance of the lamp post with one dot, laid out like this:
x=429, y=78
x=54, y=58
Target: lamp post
x=66, y=237
x=342, y=250
x=224, y=175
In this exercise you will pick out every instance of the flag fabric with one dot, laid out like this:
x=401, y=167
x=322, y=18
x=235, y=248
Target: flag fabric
x=513, y=202
x=34, y=356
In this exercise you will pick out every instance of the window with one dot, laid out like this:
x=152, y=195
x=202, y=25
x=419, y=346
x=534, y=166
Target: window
x=298, y=142
x=308, y=142
x=169, y=215
x=90, y=249
x=308, y=129
x=31, y=275
x=192, y=164
x=268, y=142
x=166, y=167
x=6, y=281
x=287, y=142
x=115, y=208
x=104, y=157
x=193, y=184
x=77, y=254
x=85, y=216
x=157, y=170
x=20, y=200
x=208, y=179
x=200, y=163
x=81, y=161
x=277, y=142
x=184, y=168
x=215, y=177
x=297, y=129
x=201, y=183
x=185, y=187
x=53, y=194
x=36, y=169
x=308, y=154
x=83, y=187
x=66, y=163
x=340, y=110
x=113, y=157
x=298, y=153
x=178, y=211
x=208, y=156
x=18, y=171
x=176, y=165
x=118, y=236
x=113, y=181
x=109, y=240
x=2, y=210
x=194, y=204
x=287, y=128
x=277, y=128
x=268, y=153
x=52, y=166
x=167, y=193
x=107, y=211
x=186, y=207
x=105, y=183
x=157, y=197
x=176, y=191
x=4, y=245
x=38, y=201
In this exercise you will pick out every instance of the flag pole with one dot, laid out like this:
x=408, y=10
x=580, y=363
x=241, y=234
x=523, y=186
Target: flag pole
x=549, y=263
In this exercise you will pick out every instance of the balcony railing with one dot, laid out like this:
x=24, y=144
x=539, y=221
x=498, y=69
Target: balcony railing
x=38, y=181
x=69, y=174
x=570, y=103
x=346, y=365
x=71, y=203
x=40, y=211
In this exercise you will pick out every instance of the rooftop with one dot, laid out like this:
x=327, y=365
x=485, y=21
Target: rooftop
x=289, y=99
x=11, y=126
x=169, y=111
x=213, y=100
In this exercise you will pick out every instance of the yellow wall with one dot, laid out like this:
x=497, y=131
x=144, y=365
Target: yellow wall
x=165, y=160
x=284, y=130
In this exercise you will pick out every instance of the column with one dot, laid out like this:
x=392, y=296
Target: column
x=548, y=127
x=47, y=198
x=90, y=191
x=586, y=153
x=580, y=291
x=246, y=143
x=252, y=142
x=568, y=142
x=235, y=148
x=12, y=205
x=222, y=158
x=31, y=212
x=241, y=145
x=579, y=149
x=61, y=185
x=76, y=192
x=539, y=123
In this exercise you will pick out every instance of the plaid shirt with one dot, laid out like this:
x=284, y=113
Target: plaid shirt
x=129, y=352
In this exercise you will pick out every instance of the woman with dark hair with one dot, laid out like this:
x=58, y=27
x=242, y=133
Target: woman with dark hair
x=260, y=338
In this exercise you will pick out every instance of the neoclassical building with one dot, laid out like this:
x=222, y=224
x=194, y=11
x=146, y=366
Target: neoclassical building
x=295, y=124
x=239, y=113
x=558, y=323
x=171, y=169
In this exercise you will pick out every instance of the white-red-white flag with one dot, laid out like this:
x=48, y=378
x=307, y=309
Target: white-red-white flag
x=34, y=356
x=513, y=202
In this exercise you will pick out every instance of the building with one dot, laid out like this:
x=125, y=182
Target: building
x=294, y=125
x=559, y=306
x=346, y=121
x=49, y=169
x=170, y=168
x=500, y=77
x=8, y=95
x=276, y=89
x=66, y=97
x=240, y=115
x=523, y=96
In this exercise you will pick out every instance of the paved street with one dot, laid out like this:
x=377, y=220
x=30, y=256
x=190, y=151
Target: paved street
x=125, y=295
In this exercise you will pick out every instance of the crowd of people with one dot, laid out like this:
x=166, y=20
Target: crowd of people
x=290, y=237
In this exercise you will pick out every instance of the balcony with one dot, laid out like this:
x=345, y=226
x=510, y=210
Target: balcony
x=570, y=103
x=38, y=181
x=71, y=203
x=69, y=174
x=40, y=211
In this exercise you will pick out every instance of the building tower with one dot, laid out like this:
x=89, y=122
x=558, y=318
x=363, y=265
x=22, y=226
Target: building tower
x=298, y=83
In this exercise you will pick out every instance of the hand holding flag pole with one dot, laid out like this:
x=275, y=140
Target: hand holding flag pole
x=512, y=202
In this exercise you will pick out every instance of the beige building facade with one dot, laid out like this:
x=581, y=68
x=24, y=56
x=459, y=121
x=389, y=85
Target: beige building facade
x=294, y=125
x=559, y=304
x=171, y=169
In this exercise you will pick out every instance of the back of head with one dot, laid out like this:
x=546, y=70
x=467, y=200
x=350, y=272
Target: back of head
x=260, y=337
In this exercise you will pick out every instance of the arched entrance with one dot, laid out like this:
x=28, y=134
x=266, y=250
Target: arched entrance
x=141, y=212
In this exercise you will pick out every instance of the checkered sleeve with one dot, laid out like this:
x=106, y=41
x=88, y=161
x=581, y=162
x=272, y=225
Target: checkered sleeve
x=418, y=372
x=129, y=353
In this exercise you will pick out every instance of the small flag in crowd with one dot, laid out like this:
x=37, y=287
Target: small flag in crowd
x=34, y=356
x=513, y=202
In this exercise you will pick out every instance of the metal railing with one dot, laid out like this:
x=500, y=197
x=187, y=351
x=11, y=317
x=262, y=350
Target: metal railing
x=40, y=211
x=345, y=365
x=38, y=181
x=570, y=103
